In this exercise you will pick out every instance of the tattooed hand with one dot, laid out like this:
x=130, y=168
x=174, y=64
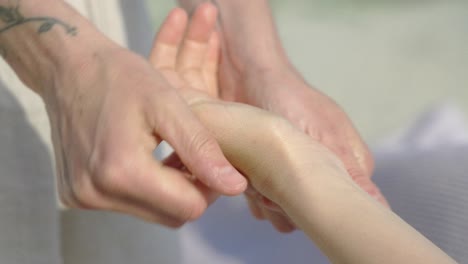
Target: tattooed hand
x=109, y=109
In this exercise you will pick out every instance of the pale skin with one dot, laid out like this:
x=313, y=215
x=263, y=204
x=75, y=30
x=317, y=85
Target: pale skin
x=109, y=109
x=255, y=69
x=104, y=129
x=304, y=178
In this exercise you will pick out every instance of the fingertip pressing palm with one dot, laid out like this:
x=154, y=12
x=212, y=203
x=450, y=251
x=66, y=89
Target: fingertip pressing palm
x=187, y=53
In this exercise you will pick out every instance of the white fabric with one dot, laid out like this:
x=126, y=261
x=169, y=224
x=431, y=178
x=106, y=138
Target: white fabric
x=424, y=174
x=423, y=171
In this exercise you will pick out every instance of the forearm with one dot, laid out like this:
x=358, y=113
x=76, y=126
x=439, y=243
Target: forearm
x=42, y=39
x=309, y=183
x=350, y=227
x=248, y=30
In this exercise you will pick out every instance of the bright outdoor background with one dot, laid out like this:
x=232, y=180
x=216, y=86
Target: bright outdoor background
x=384, y=61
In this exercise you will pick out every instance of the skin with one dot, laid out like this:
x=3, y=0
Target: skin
x=313, y=188
x=303, y=177
x=109, y=109
x=254, y=69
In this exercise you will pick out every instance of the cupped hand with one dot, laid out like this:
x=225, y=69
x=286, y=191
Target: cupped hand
x=322, y=119
x=274, y=85
x=188, y=56
x=108, y=114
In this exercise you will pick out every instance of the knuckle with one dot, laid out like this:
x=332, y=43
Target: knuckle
x=76, y=191
x=175, y=224
x=191, y=212
x=85, y=198
x=83, y=195
x=357, y=175
x=196, y=212
x=179, y=218
x=367, y=161
x=164, y=220
x=202, y=142
x=111, y=175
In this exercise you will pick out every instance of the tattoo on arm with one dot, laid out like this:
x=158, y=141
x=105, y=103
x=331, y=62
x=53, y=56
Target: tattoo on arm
x=12, y=17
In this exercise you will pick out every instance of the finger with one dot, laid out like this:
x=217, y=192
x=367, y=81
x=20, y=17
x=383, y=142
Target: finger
x=196, y=45
x=195, y=145
x=260, y=208
x=210, y=65
x=262, y=201
x=174, y=162
x=279, y=221
x=361, y=175
x=166, y=44
x=270, y=205
x=360, y=170
x=363, y=180
x=146, y=211
x=154, y=192
x=97, y=197
x=254, y=208
x=369, y=187
x=363, y=157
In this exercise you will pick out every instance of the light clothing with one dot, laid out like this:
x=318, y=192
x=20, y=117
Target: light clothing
x=32, y=229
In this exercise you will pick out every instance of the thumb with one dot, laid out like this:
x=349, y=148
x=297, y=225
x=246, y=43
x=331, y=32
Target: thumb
x=196, y=146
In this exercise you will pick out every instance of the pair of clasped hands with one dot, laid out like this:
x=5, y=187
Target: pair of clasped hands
x=292, y=151
x=220, y=147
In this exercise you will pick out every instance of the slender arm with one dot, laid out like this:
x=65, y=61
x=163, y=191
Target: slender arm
x=313, y=188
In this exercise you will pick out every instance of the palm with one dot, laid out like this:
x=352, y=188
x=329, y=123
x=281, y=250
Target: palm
x=191, y=63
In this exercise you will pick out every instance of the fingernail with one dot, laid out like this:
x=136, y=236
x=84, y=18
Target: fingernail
x=232, y=179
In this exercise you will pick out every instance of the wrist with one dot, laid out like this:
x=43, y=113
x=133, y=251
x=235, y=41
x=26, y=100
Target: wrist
x=309, y=172
x=42, y=40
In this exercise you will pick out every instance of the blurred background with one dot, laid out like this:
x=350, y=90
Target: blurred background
x=383, y=61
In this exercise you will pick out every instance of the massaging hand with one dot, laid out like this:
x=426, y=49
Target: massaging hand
x=314, y=113
x=108, y=117
x=191, y=64
x=255, y=70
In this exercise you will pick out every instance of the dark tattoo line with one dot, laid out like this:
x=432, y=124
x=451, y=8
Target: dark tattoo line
x=47, y=24
x=12, y=17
